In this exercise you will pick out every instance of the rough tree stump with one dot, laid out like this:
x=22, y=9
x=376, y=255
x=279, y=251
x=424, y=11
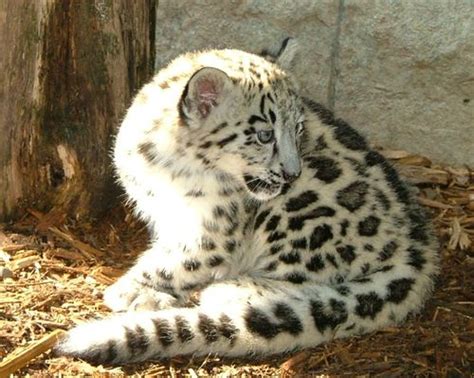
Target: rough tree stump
x=68, y=70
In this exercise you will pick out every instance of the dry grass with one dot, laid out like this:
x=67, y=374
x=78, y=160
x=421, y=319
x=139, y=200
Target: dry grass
x=59, y=273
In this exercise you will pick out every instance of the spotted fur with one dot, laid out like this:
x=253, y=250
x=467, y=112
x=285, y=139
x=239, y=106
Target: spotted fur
x=289, y=226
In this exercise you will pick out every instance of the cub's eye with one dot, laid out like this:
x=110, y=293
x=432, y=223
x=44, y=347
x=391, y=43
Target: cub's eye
x=265, y=136
x=299, y=128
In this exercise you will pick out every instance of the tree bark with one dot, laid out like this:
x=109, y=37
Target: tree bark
x=68, y=71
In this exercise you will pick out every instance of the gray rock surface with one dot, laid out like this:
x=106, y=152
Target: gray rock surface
x=251, y=25
x=406, y=75
x=402, y=72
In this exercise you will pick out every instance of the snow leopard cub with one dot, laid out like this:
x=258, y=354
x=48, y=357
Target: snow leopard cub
x=292, y=230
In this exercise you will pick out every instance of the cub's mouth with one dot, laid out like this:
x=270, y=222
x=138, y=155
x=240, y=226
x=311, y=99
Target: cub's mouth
x=262, y=190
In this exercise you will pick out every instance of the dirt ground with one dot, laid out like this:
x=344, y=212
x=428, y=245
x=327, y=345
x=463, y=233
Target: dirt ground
x=53, y=272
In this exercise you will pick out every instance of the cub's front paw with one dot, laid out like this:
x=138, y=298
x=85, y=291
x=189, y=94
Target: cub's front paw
x=130, y=296
x=152, y=300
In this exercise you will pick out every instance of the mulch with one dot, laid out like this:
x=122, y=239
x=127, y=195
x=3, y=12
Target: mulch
x=53, y=272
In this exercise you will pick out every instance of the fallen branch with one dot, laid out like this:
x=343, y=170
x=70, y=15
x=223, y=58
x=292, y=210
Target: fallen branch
x=19, y=359
x=88, y=250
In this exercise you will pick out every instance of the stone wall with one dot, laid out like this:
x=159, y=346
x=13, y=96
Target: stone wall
x=402, y=72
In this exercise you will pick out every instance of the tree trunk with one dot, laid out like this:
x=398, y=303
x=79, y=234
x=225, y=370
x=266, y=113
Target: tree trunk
x=68, y=70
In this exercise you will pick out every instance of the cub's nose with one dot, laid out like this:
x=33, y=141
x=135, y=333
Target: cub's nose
x=290, y=177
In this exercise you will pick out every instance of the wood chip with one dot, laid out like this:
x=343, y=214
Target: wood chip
x=415, y=160
x=4, y=301
x=432, y=203
x=83, y=247
x=24, y=253
x=294, y=361
x=65, y=254
x=21, y=357
x=5, y=273
x=51, y=298
x=24, y=262
x=51, y=325
x=395, y=154
x=423, y=175
x=111, y=272
x=13, y=247
x=346, y=357
x=101, y=278
x=459, y=237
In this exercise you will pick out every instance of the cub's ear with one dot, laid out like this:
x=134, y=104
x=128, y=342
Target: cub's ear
x=287, y=53
x=204, y=92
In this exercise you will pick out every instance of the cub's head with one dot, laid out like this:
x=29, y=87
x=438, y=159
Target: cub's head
x=247, y=119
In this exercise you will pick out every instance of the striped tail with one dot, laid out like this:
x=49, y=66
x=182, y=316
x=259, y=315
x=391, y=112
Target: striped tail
x=255, y=316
